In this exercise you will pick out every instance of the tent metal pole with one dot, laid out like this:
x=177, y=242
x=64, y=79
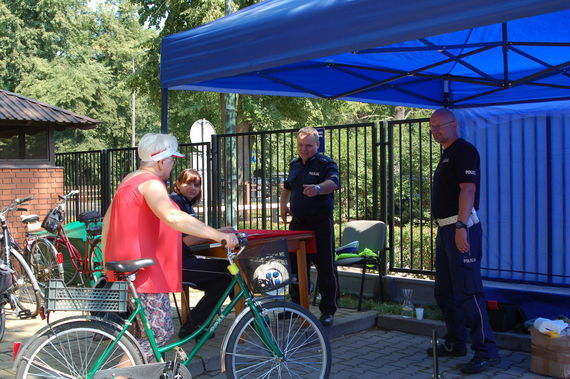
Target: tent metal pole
x=164, y=119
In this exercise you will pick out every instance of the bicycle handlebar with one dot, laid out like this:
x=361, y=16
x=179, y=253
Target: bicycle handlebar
x=71, y=193
x=242, y=239
x=25, y=199
x=14, y=205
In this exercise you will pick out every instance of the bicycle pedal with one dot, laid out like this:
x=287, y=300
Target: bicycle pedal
x=24, y=314
x=180, y=354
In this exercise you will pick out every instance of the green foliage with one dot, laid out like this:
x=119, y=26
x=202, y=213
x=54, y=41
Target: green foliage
x=414, y=165
x=92, y=61
x=414, y=246
x=64, y=54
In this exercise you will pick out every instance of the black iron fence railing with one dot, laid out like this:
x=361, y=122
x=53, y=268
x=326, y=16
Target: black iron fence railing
x=242, y=175
x=385, y=173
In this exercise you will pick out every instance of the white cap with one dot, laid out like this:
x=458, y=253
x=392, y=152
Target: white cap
x=155, y=147
x=159, y=155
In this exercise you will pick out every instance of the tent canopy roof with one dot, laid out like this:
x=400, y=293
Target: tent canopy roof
x=425, y=54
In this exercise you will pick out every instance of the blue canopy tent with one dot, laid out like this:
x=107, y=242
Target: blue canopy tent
x=503, y=67
x=380, y=52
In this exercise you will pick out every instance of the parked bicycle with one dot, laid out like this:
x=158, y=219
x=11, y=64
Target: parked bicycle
x=26, y=289
x=6, y=281
x=86, y=265
x=40, y=253
x=269, y=338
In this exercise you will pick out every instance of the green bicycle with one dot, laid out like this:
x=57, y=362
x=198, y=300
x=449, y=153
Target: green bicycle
x=269, y=338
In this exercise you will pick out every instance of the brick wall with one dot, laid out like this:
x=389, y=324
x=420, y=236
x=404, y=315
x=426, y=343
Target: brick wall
x=44, y=184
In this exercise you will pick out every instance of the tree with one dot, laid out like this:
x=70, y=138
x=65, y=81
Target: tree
x=67, y=55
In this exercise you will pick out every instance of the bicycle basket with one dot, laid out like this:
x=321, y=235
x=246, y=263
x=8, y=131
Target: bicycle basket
x=53, y=220
x=266, y=266
x=111, y=298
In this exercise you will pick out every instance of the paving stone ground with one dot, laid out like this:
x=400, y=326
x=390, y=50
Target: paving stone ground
x=370, y=353
x=375, y=353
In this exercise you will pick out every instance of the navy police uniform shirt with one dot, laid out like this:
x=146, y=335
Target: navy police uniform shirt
x=317, y=169
x=459, y=163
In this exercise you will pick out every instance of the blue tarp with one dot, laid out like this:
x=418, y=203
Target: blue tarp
x=409, y=52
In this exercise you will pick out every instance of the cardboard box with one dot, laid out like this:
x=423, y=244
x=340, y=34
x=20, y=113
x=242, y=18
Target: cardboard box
x=550, y=356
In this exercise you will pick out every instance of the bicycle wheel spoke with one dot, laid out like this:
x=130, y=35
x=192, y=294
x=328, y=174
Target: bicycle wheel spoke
x=293, y=330
x=72, y=349
x=47, y=369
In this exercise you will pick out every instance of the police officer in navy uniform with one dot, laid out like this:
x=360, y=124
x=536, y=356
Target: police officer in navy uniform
x=458, y=284
x=313, y=177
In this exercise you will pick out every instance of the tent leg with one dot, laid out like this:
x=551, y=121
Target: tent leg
x=164, y=120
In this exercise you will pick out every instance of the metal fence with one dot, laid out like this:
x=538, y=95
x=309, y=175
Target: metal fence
x=252, y=167
x=242, y=175
x=412, y=157
x=386, y=172
x=385, y=175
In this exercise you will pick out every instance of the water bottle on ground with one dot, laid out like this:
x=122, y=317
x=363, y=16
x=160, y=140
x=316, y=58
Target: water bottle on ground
x=407, y=305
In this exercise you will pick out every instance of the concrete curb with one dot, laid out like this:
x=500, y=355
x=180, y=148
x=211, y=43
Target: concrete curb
x=505, y=340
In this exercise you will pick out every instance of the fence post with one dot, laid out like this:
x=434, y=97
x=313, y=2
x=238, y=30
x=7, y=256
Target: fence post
x=263, y=182
x=105, y=181
x=215, y=178
x=375, y=173
x=389, y=154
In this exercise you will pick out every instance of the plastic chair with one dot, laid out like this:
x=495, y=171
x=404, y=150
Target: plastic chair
x=370, y=234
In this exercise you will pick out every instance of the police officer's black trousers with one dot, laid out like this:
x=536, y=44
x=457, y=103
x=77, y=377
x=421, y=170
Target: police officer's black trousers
x=459, y=291
x=323, y=261
x=210, y=276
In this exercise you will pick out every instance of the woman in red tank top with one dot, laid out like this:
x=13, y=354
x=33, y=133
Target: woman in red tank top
x=142, y=222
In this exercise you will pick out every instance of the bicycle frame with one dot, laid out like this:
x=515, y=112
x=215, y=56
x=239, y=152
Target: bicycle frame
x=8, y=241
x=79, y=263
x=209, y=325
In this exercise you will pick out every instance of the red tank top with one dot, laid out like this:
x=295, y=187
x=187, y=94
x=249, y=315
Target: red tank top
x=135, y=232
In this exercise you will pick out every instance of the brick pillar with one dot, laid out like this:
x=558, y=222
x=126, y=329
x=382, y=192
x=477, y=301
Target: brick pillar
x=44, y=184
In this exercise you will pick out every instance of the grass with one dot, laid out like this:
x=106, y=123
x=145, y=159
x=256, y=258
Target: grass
x=431, y=312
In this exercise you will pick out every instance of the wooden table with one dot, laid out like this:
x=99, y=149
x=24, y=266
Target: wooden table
x=300, y=242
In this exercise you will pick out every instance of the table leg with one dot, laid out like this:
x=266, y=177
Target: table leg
x=302, y=274
x=184, y=303
x=240, y=305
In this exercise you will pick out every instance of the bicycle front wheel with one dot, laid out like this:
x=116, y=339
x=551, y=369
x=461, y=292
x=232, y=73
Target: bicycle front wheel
x=2, y=318
x=27, y=297
x=70, y=350
x=43, y=258
x=297, y=333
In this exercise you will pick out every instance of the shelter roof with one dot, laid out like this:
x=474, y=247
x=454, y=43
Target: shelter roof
x=18, y=110
x=426, y=54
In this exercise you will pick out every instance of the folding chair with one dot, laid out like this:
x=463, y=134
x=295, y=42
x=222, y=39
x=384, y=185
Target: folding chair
x=370, y=234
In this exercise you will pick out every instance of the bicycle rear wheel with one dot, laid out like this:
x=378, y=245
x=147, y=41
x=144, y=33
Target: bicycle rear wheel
x=70, y=274
x=43, y=259
x=298, y=334
x=71, y=349
x=23, y=288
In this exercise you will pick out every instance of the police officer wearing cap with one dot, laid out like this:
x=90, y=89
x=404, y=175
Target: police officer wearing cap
x=313, y=177
x=458, y=284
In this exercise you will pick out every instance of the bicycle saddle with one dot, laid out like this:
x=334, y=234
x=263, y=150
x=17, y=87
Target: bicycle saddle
x=130, y=265
x=29, y=218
